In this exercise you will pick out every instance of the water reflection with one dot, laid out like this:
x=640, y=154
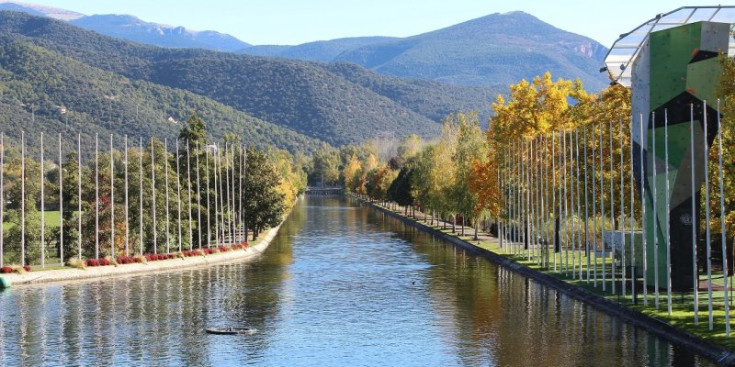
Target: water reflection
x=340, y=285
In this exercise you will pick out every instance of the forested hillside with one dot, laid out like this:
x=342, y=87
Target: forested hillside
x=327, y=103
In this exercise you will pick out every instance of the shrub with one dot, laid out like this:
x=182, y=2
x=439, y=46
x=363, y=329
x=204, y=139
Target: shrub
x=6, y=270
x=93, y=262
x=76, y=263
x=27, y=268
x=140, y=259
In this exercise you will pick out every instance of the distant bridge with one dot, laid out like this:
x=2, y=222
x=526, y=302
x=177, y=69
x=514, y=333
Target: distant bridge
x=324, y=190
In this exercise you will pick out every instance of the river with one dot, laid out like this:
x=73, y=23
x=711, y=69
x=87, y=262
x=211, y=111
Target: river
x=341, y=285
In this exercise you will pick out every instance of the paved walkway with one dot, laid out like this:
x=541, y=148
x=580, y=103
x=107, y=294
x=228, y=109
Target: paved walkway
x=71, y=274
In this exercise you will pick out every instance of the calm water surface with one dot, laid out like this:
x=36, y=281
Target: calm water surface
x=340, y=285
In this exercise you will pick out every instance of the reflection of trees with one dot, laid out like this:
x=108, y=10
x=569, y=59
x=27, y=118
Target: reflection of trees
x=513, y=321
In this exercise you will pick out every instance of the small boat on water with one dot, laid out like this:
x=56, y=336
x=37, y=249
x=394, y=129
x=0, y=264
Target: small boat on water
x=230, y=330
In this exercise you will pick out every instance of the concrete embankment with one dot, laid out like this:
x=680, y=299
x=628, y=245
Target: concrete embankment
x=35, y=277
x=715, y=352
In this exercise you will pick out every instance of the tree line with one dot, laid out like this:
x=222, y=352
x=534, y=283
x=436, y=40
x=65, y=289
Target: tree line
x=142, y=196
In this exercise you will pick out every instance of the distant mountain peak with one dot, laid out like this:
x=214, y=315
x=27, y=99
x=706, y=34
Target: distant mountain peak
x=42, y=10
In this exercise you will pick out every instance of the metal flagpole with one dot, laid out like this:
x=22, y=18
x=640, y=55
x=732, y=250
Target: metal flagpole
x=153, y=193
x=586, y=206
x=632, y=218
x=694, y=220
x=216, y=196
x=602, y=215
x=566, y=208
x=43, y=210
x=541, y=202
x=79, y=196
x=2, y=198
x=553, y=192
x=22, y=198
x=127, y=209
x=578, y=218
x=655, y=218
x=209, y=213
x=61, y=205
x=199, y=198
x=623, y=285
x=667, y=197
x=232, y=187
x=222, y=193
x=572, y=215
x=226, y=175
x=643, y=215
x=112, y=200
x=550, y=210
x=594, y=211
x=178, y=193
x=612, y=211
x=96, y=198
x=188, y=194
x=531, y=201
x=722, y=225
x=168, y=212
x=243, y=237
x=140, y=188
x=707, y=213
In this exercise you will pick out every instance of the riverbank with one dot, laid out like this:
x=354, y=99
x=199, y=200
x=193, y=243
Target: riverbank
x=714, y=351
x=72, y=274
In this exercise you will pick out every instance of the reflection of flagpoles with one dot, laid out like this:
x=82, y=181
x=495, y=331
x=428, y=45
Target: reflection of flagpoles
x=694, y=221
x=722, y=225
x=22, y=198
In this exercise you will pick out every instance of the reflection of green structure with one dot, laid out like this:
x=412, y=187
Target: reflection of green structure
x=674, y=69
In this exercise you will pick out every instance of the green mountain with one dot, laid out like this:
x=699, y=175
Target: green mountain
x=323, y=51
x=44, y=91
x=313, y=99
x=495, y=50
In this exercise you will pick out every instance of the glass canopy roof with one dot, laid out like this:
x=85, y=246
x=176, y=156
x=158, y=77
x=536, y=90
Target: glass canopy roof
x=626, y=48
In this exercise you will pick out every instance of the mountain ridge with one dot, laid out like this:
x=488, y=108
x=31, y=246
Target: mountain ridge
x=305, y=97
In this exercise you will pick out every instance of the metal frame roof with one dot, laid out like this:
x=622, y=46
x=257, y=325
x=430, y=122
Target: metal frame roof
x=625, y=50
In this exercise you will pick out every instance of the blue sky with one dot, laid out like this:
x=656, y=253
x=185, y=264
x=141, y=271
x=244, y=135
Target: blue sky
x=290, y=22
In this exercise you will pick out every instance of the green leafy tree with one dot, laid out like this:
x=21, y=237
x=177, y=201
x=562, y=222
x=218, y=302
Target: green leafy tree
x=262, y=201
